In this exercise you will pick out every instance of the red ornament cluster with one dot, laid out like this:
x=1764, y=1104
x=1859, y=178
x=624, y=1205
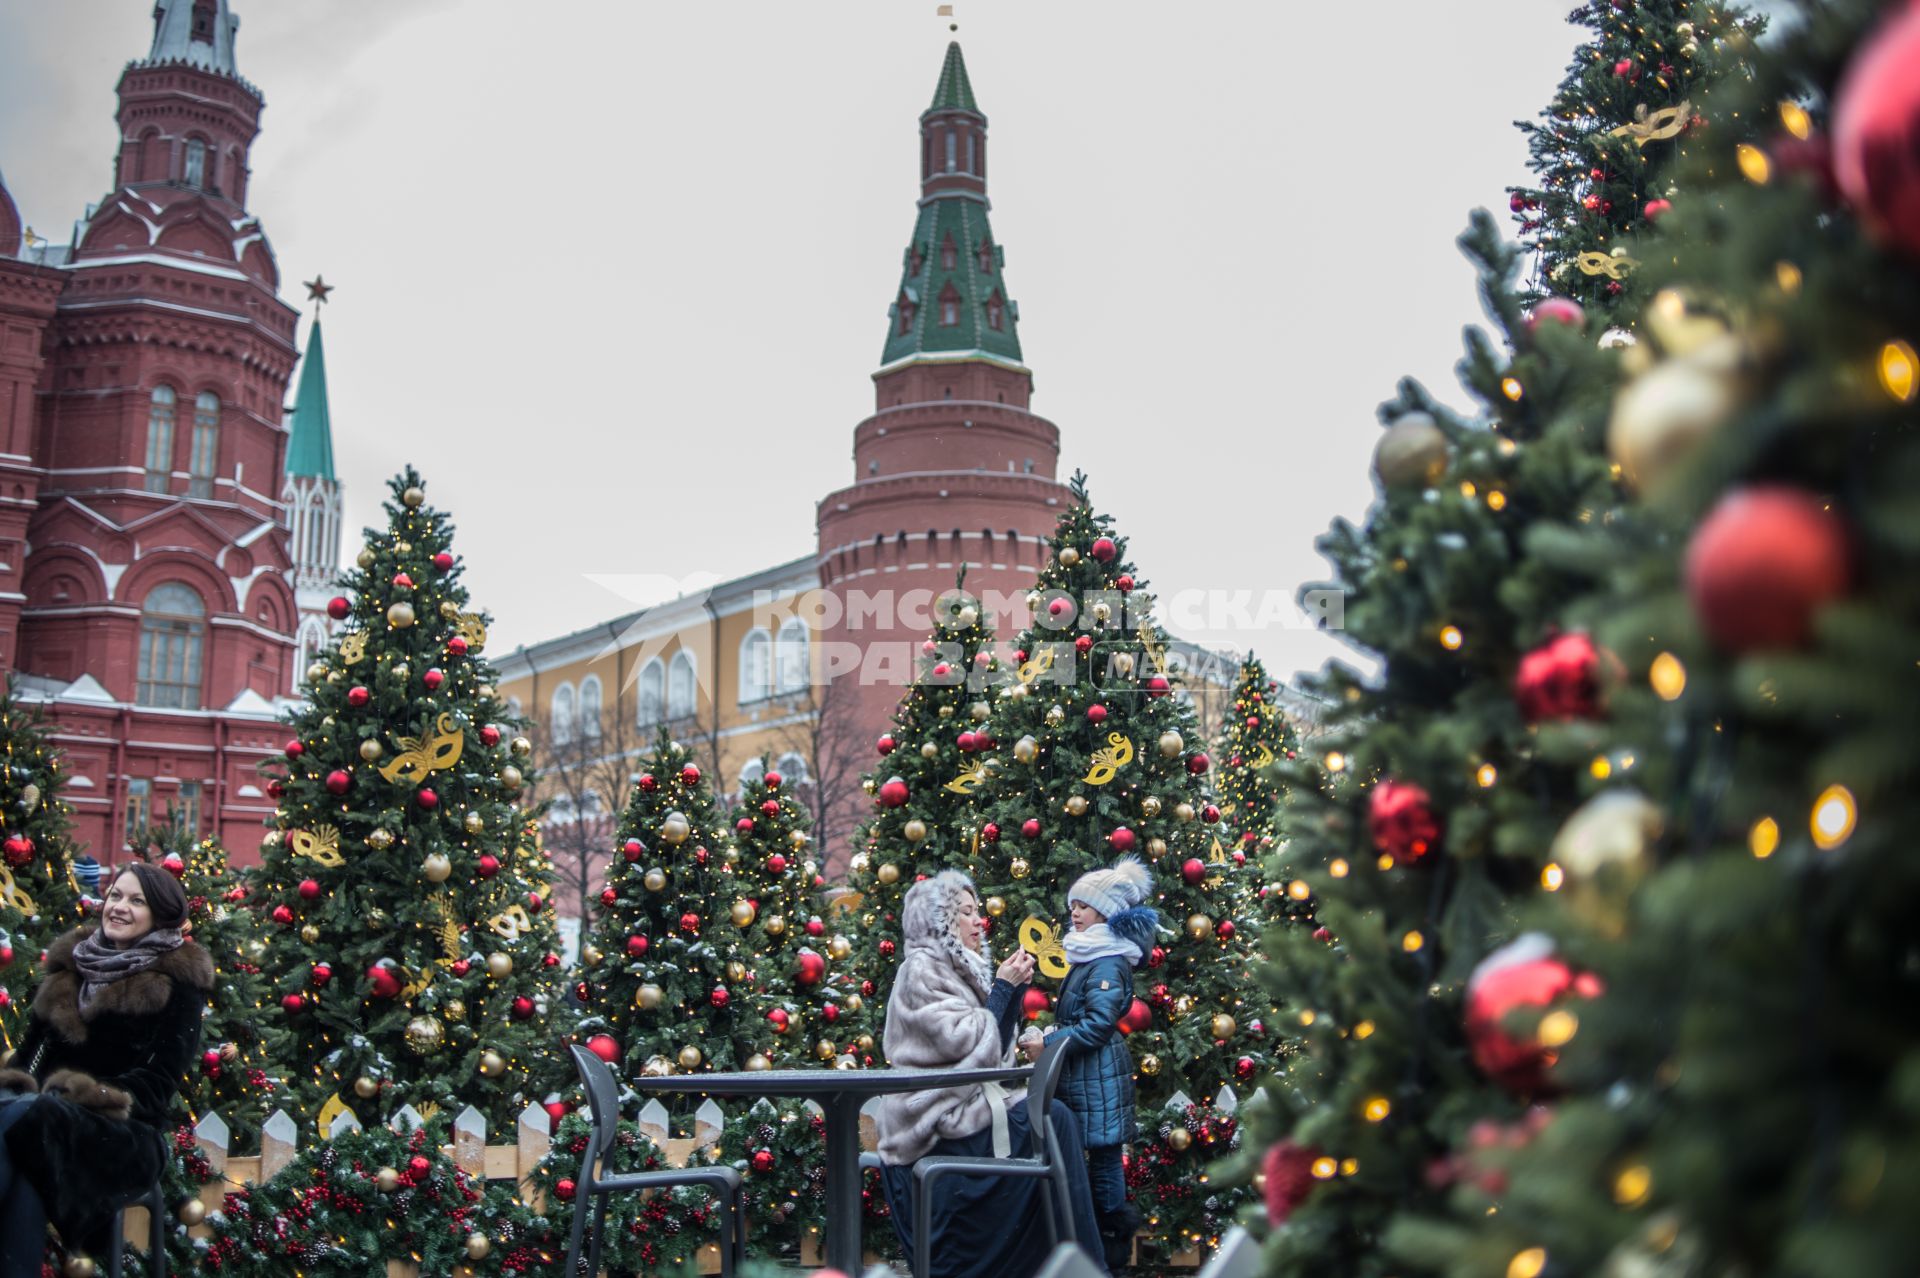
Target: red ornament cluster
x=1401, y=820
x=1559, y=680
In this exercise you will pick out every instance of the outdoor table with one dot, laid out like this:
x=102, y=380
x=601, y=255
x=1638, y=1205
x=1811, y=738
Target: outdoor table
x=840, y=1093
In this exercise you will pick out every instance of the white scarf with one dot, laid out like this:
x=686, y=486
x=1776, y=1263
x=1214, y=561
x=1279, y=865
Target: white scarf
x=1098, y=941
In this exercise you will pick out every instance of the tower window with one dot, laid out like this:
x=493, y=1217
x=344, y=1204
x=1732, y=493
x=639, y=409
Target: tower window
x=904, y=309
x=196, y=171
x=206, y=444
x=953, y=147
x=986, y=255
x=203, y=21
x=172, y=632
x=996, y=313
x=970, y=153
x=949, y=254
x=160, y=438
x=949, y=307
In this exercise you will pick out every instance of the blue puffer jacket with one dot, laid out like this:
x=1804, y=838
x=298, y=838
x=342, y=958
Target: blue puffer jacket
x=1097, y=1082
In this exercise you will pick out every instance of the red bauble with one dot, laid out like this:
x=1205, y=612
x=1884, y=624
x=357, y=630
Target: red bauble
x=776, y=864
x=487, y=866
x=1210, y=814
x=719, y=997
x=1030, y=828
x=293, y=749
x=941, y=669
x=1194, y=870
x=1156, y=957
x=810, y=968
x=1762, y=564
x=1158, y=685
x=690, y=775
x=1522, y=974
x=608, y=897
x=443, y=561
x=830, y=1012
x=1517, y=202
x=1138, y=1016
x=358, y=696
x=283, y=914
x=1034, y=1002
x=1121, y=839
x=1103, y=549
x=690, y=923
x=1400, y=817
x=1876, y=118
x=990, y=833
x=550, y=959
x=339, y=607
x=210, y=1059
x=309, y=889
x=1096, y=713
x=1243, y=1069
x=1559, y=680
x=893, y=793
x=646, y=783
x=457, y=646
x=1198, y=762
x=403, y=581
x=522, y=1008
x=564, y=1189
x=1656, y=209
x=461, y=967
x=1288, y=1169
x=275, y=788
x=1556, y=310
x=770, y=807
x=339, y=781
x=321, y=973
x=636, y=946
x=605, y=1046
x=762, y=1161
x=173, y=865
x=19, y=849
x=1225, y=930
x=1623, y=67
x=489, y=736
x=773, y=780
x=427, y=798
x=433, y=679
x=885, y=744
x=556, y=1111
x=1124, y=582
x=1057, y=606
x=632, y=850
x=965, y=742
x=744, y=825
x=1083, y=645
x=293, y=1003
x=383, y=981
x=815, y=927
x=886, y=949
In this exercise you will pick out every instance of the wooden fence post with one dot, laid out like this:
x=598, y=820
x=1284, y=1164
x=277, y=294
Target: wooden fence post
x=278, y=1137
x=470, y=1142
x=534, y=1141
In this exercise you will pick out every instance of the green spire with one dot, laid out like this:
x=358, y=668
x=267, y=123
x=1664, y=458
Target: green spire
x=955, y=92
x=310, y=450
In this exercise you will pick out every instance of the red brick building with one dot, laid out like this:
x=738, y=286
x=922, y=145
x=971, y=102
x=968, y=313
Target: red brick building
x=146, y=580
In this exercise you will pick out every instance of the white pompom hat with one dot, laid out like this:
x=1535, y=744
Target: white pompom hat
x=1121, y=887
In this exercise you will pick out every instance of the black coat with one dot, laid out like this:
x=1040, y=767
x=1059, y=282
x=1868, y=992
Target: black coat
x=111, y=1072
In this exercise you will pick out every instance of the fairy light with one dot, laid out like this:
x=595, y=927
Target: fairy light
x=1451, y=638
x=1834, y=814
x=1764, y=838
x=1510, y=387
x=1668, y=677
x=1552, y=876
x=1348, y=1166
x=1486, y=776
x=1795, y=118
x=1467, y=489
x=1788, y=277
x=1299, y=890
x=1307, y=1017
x=1384, y=863
x=1377, y=1108
x=1633, y=1185
x=1412, y=942
x=1336, y=762
x=1324, y=1168
x=1600, y=769
x=1496, y=500
x=1558, y=1028
x=1363, y=1030
x=1339, y=868
x=1754, y=165
x=1898, y=370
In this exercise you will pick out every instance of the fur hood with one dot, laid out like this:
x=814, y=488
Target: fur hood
x=926, y=923
x=140, y=994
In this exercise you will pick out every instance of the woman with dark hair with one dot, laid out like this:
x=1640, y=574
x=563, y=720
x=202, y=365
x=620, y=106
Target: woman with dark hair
x=115, y=1023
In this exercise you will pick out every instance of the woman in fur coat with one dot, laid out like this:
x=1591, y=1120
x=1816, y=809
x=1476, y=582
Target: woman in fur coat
x=115, y=1024
x=950, y=1010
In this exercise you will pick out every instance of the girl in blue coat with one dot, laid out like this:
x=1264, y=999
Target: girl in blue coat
x=1112, y=935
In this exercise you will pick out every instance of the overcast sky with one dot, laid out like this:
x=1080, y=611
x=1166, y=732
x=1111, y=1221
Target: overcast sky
x=613, y=274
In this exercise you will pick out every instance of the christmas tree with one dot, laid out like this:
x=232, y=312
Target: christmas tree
x=933, y=749
x=1603, y=151
x=665, y=977
x=1729, y=1085
x=412, y=953
x=1255, y=737
x=39, y=898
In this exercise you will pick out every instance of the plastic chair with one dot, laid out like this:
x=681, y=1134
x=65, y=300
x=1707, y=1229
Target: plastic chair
x=156, y=1234
x=592, y=1187
x=1056, y=1205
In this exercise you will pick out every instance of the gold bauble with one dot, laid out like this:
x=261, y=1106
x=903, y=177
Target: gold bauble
x=915, y=829
x=1018, y=867
x=864, y=1042
x=192, y=1212
x=316, y=672
x=380, y=839
x=690, y=1057
x=1150, y=806
x=674, y=828
x=310, y=933
x=436, y=868
x=1171, y=743
x=855, y=1002
x=1076, y=805
x=824, y=1049
x=945, y=712
x=456, y=1009
x=1412, y=453
x=1056, y=715
x=449, y=610
x=1149, y=1064
x=1198, y=926
x=400, y=615
x=478, y=1246
x=655, y=879
x=929, y=750
x=1179, y=1139
x=1034, y=600
x=996, y=906
x=365, y=1088
x=473, y=823
x=1183, y=1005
x=979, y=711
x=657, y=1067
x=387, y=1179
x=499, y=965
x=758, y=1062
x=1616, y=827
x=1122, y=664
x=1223, y=1026
x=1183, y=812
x=592, y=955
x=1069, y=556
x=492, y=1064
x=1026, y=749
x=510, y=778
x=521, y=747
x=798, y=840
x=860, y=863
x=413, y=496
x=736, y=971
x=967, y=615
x=424, y=1035
x=742, y=913
x=648, y=997
x=255, y=949
x=869, y=784
x=1102, y=612
x=1156, y=848
x=1016, y=692
x=1662, y=416
x=888, y=873
x=371, y=750
x=365, y=559
x=839, y=947
x=484, y=692
x=775, y=925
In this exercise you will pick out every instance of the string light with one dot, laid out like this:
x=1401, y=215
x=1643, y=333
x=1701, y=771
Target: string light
x=1527, y=1264
x=1668, y=677
x=1339, y=868
x=1600, y=769
x=1412, y=942
x=1787, y=276
x=1336, y=761
x=1764, y=838
x=1754, y=165
x=1363, y=1030
x=1796, y=119
x=1510, y=387
x=1451, y=638
x=1377, y=1108
x=1324, y=1168
x=1834, y=815
x=1496, y=500
x=1632, y=1186
x=1486, y=776
x=1558, y=1028
x=1898, y=370
x=1552, y=876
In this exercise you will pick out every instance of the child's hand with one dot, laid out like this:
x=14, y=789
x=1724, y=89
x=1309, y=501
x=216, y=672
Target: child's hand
x=1018, y=969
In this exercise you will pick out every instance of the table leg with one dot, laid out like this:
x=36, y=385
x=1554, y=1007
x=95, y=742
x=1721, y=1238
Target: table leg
x=842, y=1113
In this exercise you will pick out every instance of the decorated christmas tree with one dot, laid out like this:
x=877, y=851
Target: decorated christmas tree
x=1255, y=737
x=933, y=748
x=411, y=953
x=666, y=980
x=39, y=898
x=1728, y=1084
x=1604, y=148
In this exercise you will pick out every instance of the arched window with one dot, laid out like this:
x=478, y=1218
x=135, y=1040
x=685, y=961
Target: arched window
x=793, y=769
x=588, y=715
x=756, y=665
x=680, y=685
x=560, y=715
x=949, y=253
x=652, y=693
x=206, y=444
x=949, y=311
x=196, y=170
x=953, y=147
x=795, y=672
x=173, y=629
x=160, y=438
x=752, y=770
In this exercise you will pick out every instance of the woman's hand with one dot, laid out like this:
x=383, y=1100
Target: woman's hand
x=1031, y=1044
x=1017, y=970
